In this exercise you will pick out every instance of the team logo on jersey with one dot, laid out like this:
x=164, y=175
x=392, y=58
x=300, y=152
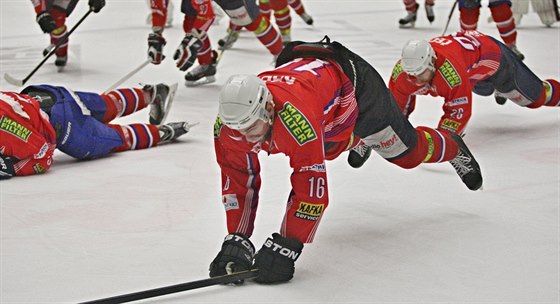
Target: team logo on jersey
x=230, y=201
x=449, y=73
x=308, y=211
x=217, y=127
x=13, y=127
x=297, y=124
x=397, y=70
x=39, y=169
x=450, y=125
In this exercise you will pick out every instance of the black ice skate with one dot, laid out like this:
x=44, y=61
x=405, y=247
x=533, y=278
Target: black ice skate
x=173, y=130
x=203, y=73
x=60, y=62
x=430, y=13
x=162, y=97
x=308, y=19
x=228, y=41
x=410, y=19
x=358, y=155
x=466, y=166
x=517, y=53
x=499, y=98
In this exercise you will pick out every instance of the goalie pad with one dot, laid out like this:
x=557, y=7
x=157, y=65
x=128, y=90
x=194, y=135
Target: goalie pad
x=519, y=8
x=547, y=11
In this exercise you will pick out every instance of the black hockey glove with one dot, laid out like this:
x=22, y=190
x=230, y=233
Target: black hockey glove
x=96, y=5
x=155, y=47
x=187, y=51
x=276, y=259
x=236, y=255
x=6, y=167
x=46, y=22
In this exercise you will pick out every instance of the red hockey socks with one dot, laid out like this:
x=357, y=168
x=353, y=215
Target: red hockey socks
x=469, y=18
x=297, y=6
x=264, y=7
x=266, y=34
x=122, y=102
x=410, y=5
x=433, y=146
x=136, y=136
x=282, y=16
x=505, y=23
x=550, y=95
x=59, y=17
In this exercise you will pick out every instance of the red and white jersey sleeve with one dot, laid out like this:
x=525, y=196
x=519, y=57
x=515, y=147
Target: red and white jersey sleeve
x=463, y=59
x=39, y=5
x=25, y=134
x=305, y=118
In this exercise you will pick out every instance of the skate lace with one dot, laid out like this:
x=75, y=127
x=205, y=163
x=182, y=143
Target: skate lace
x=462, y=164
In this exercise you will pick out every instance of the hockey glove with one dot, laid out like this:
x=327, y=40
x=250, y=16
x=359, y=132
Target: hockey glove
x=6, y=167
x=236, y=255
x=187, y=51
x=276, y=259
x=96, y=5
x=155, y=47
x=46, y=22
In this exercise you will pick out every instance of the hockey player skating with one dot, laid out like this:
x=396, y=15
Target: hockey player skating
x=469, y=11
x=546, y=9
x=51, y=17
x=322, y=100
x=412, y=7
x=168, y=13
x=196, y=44
x=42, y=118
x=456, y=65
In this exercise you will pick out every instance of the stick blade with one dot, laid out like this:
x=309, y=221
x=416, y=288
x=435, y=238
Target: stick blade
x=12, y=80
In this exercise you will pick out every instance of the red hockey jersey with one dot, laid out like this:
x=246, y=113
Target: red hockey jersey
x=463, y=59
x=25, y=134
x=315, y=104
x=202, y=8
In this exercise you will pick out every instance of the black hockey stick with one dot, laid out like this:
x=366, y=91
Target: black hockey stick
x=18, y=82
x=450, y=15
x=150, y=293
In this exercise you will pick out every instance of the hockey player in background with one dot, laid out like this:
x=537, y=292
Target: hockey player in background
x=41, y=118
x=412, y=7
x=546, y=9
x=168, y=13
x=51, y=17
x=456, y=65
x=320, y=101
x=196, y=44
x=469, y=12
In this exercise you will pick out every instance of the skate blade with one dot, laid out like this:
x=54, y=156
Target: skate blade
x=60, y=69
x=407, y=25
x=169, y=101
x=205, y=80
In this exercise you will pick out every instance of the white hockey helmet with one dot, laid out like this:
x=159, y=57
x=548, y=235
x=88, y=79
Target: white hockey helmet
x=417, y=56
x=242, y=101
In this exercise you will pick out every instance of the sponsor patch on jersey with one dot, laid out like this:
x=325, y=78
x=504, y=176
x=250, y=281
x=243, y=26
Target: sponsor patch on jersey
x=230, y=201
x=39, y=169
x=297, y=124
x=449, y=73
x=450, y=125
x=458, y=101
x=13, y=127
x=217, y=127
x=386, y=143
x=42, y=151
x=315, y=167
x=308, y=211
x=397, y=70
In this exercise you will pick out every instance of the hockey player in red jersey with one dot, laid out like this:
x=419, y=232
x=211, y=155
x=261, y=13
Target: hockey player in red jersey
x=412, y=7
x=456, y=65
x=320, y=101
x=41, y=118
x=501, y=13
x=51, y=17
x=199, y=15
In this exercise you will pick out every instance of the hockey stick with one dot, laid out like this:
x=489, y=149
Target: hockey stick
x=450, y=15
x=18, y=82
x=151, y=293
x=127, y=76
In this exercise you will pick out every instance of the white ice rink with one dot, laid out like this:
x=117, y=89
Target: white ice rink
x=145, y=219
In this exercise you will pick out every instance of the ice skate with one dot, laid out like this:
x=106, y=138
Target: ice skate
x=228, y=41
x=308, y=19
x=173, y=130
x=466, y=166
x=499, y=98
x=516, y=51
x=202, y=74
x=161, y=99
x=60, y=62
x=430, y=13
x=286, y=38
x=409, y=20
x=358, y=155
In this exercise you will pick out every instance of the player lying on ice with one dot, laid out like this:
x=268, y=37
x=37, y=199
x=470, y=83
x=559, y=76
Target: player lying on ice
x=320, y=101
x=41, y=118
x=457, y=65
